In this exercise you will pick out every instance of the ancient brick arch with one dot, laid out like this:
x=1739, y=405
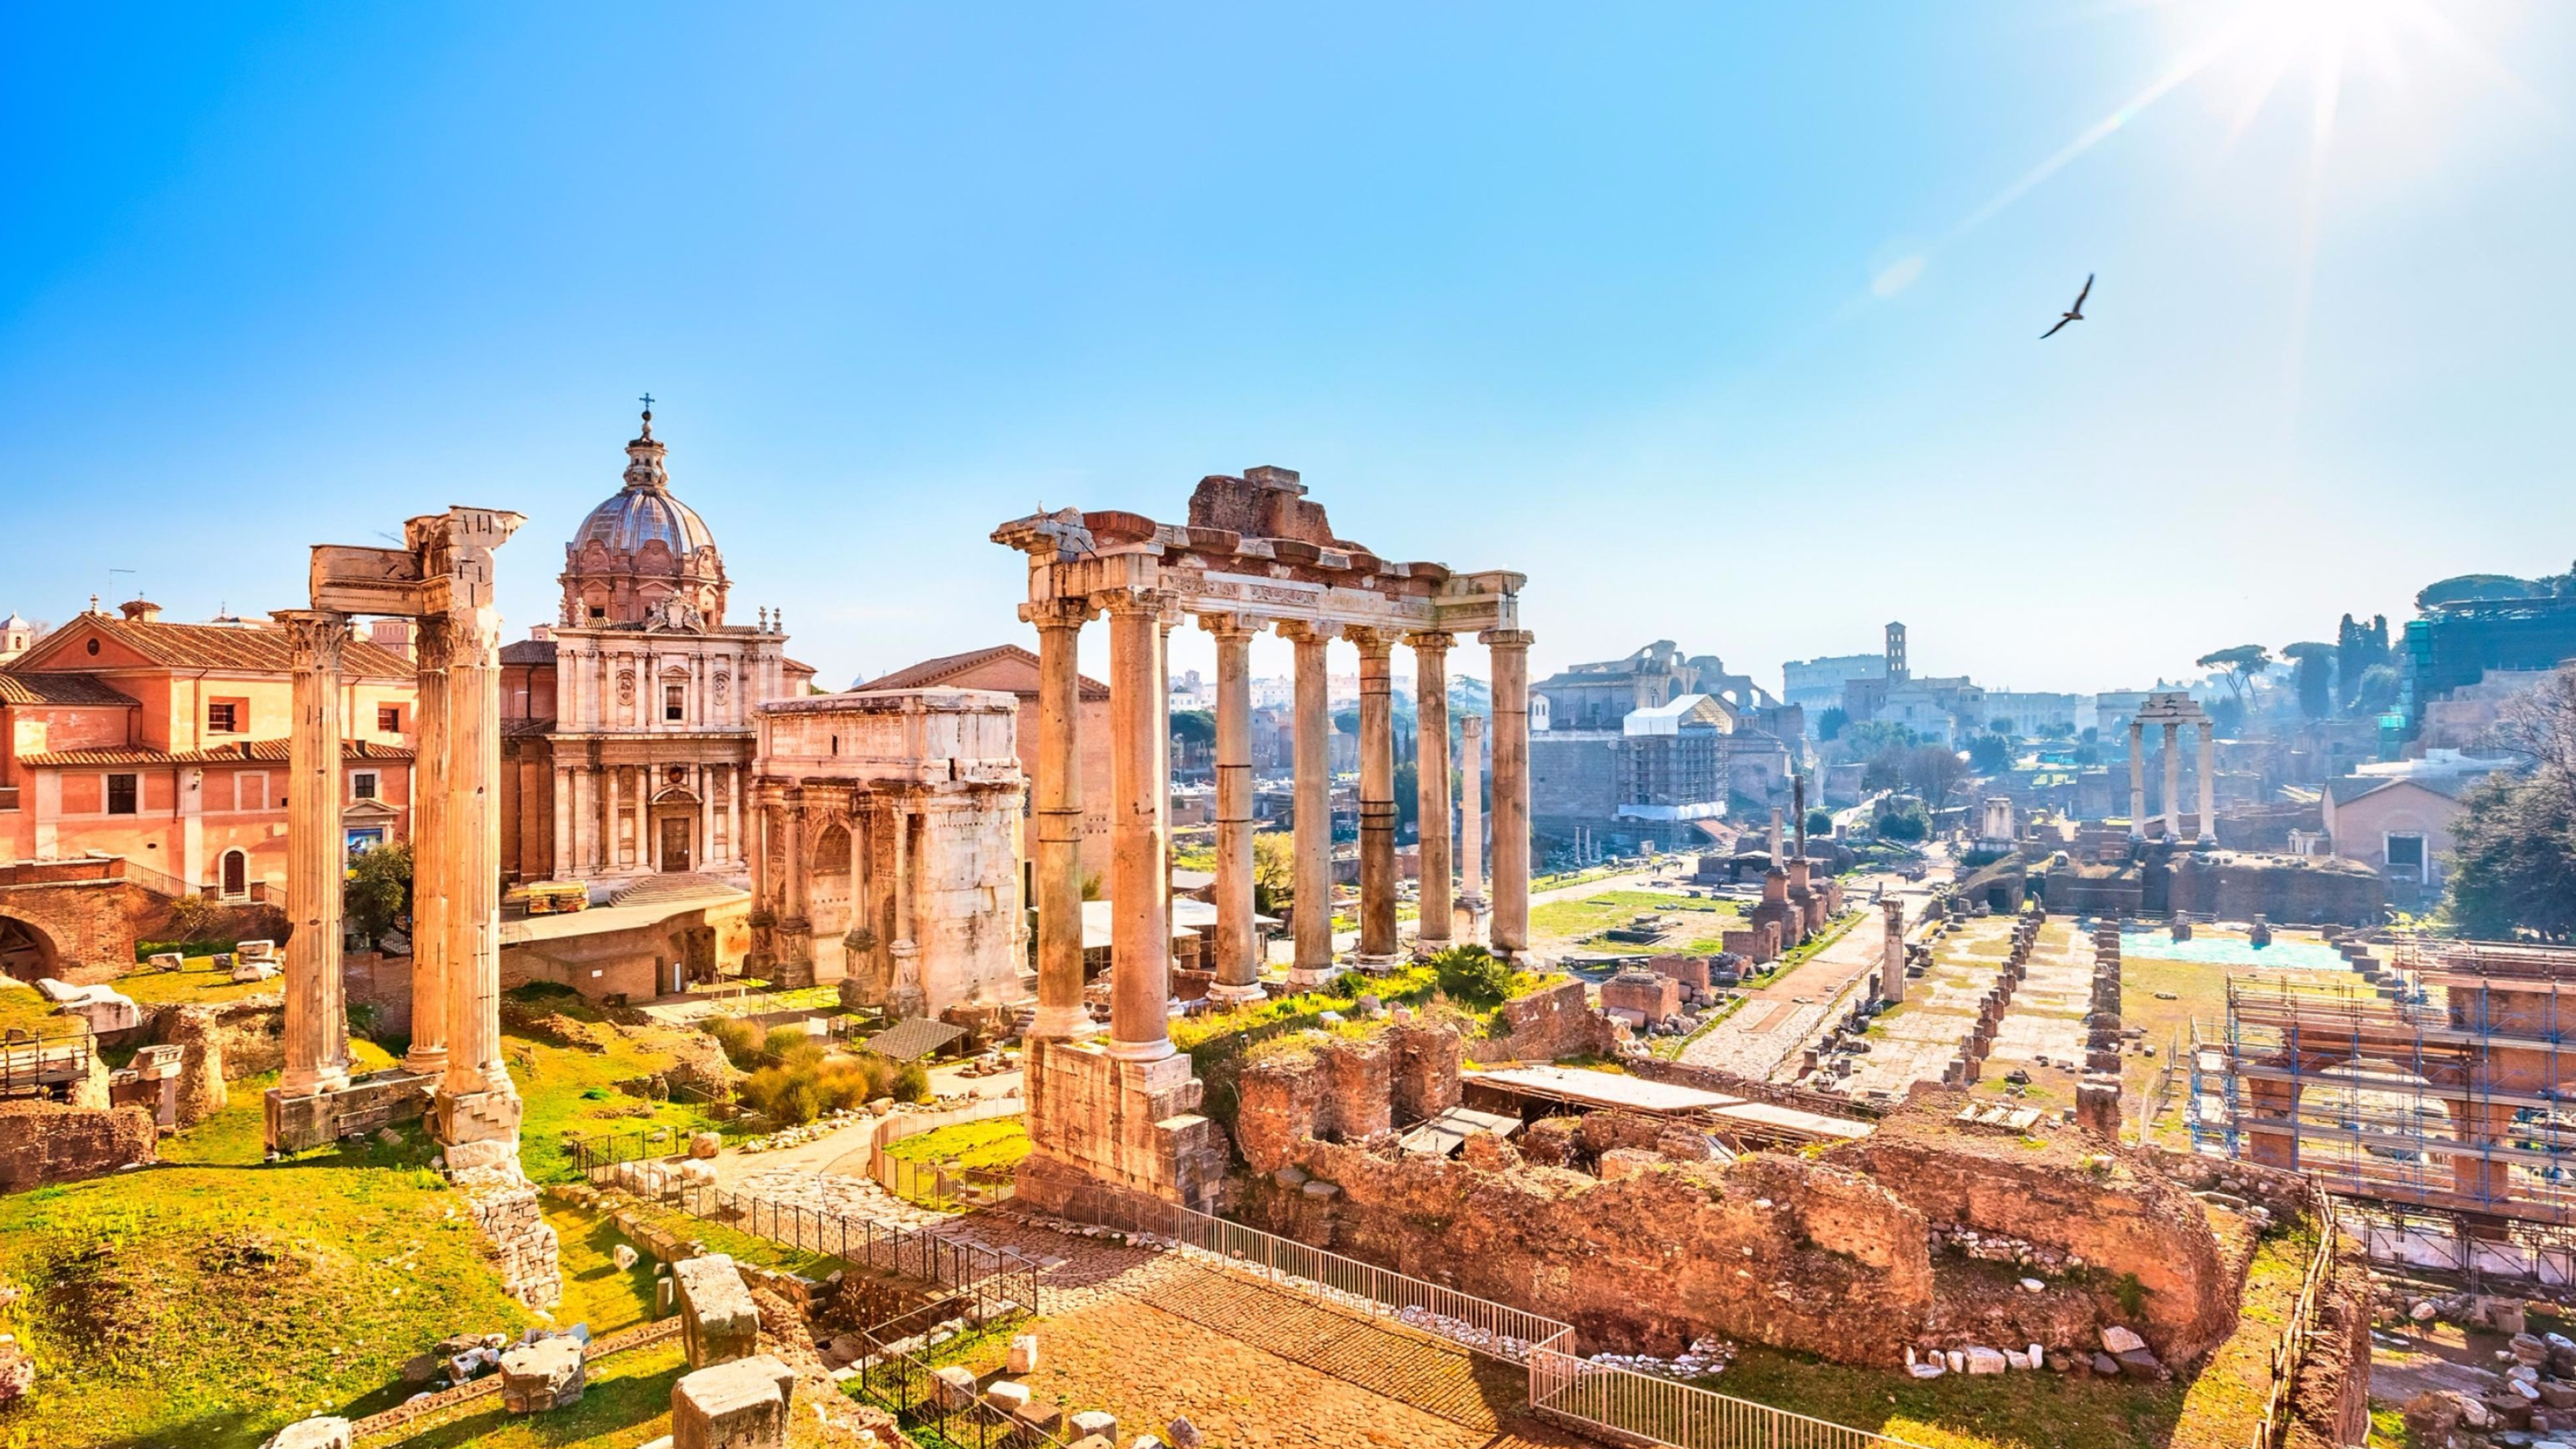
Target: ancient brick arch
x=26, y=951
x=81, y=931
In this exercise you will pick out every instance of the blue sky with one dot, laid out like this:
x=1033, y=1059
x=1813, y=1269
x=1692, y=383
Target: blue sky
x=1718, y=322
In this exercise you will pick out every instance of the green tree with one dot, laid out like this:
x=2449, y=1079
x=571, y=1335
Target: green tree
x=1194, y=727
x=2316, y=660
x=1831, y=723
x=1868, y=737
x=1820, y=821
x=2514, y=866
x=1933, y=771
x=1990, y=754
x=2238, y=667
x=2378, y=689
x=1274, y=865
x=377, y=891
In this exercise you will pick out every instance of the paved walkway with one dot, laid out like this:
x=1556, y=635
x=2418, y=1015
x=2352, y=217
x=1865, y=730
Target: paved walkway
x=1767, y=1032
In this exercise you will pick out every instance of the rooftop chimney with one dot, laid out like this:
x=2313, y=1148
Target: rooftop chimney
x=141, y=611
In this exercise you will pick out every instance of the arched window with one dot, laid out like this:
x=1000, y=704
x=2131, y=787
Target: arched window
x=236, y=869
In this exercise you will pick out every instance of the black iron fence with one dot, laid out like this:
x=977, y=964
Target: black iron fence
x=935, y=1410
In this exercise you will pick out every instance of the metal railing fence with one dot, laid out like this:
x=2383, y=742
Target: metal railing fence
x=933, y=1185
x=910, y=1389
x=36, y=1066
x=1600, y=1400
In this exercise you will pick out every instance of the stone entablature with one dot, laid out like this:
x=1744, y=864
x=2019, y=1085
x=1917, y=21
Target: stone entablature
x=888, y=843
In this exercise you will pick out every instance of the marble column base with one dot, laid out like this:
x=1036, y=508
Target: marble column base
x=1221, y=991
x=1063, y=1023
x=1137, y=1051
x=1377, y=965
x=1303, y=978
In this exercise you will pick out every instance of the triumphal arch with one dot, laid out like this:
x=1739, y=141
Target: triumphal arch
x=1117, y=1114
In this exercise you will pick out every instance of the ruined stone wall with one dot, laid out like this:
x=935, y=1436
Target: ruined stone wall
x=376, y=980
x=1551, y=1022
x=1779, y=1250
x=2130, y=1219
x=92, y=925
x=1341, y=1090
x=42, y=1142
x=221, y=1043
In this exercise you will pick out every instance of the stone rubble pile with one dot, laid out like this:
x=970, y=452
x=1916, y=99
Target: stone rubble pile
x=2123, y=1355
x=2000, y=1248
x=1705, y=1358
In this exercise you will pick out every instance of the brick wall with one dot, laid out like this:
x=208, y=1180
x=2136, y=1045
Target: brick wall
x=42, y=1142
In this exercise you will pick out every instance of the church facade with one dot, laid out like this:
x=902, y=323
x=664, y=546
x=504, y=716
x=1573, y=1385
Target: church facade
x=627, y=728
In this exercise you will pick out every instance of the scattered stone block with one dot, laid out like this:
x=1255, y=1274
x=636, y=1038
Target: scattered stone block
x=1024, y=1353
x=705, y=1144
x=328, y=1432
x=718, y=1321
x=546, y=1374
x=623, y=1255
x=2105, y=1365
x=1096, y=1424
x=1045, y=1418
x=2139, y=1364
x=1007, y=1396
x=741, y=1404
x=2117, y=1340
x=954, y=1386
x=1985, y=1361
x=1184, y=1435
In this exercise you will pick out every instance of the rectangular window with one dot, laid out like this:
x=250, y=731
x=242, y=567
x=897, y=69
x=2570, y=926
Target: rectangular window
x=223, y=717
x=250, y=790
x=389, y=719
x=120, y=794
x=2406, y=857
x=675, y=703
x=362, y=785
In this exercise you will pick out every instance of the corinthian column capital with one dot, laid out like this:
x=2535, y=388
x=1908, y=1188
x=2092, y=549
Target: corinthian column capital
x=315, y=638
x=1070, y=611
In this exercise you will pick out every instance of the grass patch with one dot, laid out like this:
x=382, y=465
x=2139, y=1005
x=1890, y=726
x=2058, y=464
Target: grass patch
x=741, y=1246
x=196, y=984
x=23, y=1008
x=568, y=1089
x=626, y=1402
x=1564, y=922
x=208, y=1304
x=596, y=1290
x=2000, y=1411
x=997, y=1142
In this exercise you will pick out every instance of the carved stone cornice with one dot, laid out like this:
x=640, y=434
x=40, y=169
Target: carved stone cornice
x=315, y=638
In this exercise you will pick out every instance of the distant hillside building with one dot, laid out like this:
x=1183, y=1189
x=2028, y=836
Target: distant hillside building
x=1817, y=684
x=1648, y=747
x=2453, y=646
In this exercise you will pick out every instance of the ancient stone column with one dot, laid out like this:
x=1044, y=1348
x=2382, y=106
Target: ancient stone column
x=904, y=996
x=2173, y=782
x=1511, y=787
x=317, y=1026
x=1058, y=806
x=2137, y=780
x=478, y=1108
x=614, y=851
x=1377, y=798
x=1140, y=933
x=791, y=813
x=1891, y=960
x=1471, y=826
x=1313, y=797
x=2208, y=783
x=1431, y=768
x=1779, y=860
x=1238, y=944
x=431, y=847
x=565, y=867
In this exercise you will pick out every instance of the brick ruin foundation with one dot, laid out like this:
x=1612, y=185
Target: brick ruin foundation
x=45, y=1142
x=1632, y=1230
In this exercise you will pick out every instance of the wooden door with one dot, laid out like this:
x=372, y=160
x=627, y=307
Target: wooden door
x=675, y=843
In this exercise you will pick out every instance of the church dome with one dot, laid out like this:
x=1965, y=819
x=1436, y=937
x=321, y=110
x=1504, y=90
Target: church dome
x=640, y=515
x=644, y=556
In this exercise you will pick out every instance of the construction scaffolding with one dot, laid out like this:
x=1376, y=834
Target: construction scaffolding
x=2432, y=1092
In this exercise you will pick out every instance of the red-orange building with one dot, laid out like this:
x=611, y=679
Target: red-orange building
x=165, y=744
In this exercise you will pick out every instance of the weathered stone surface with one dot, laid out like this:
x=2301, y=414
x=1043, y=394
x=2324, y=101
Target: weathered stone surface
x=1024, y=1353
x=322, y=1433
x=1095, y=1424
x=42, y=1142
x=705, y=1144
x=546, y=1374
x=741, y=1404
x=718, y=1321
x=954, y=1385
x=1007, y=1396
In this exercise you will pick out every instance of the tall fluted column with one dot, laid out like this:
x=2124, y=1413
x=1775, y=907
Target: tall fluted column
x=1058, y=806
x=585, y=819
x=474, y=1064
x=1471, y=826
x=1238, y=943
x=2137, y=779
x=704, y=855
x=904, y=996
x=1431, y=793
x=1377, y=798
x=615, y=850
x=1140, y=933
x=2173, y=782
x=1511, y=787
x=317, y=1025
x=1313, y=797
x=793, y=848
x=2208, y=783
x=432, y=847
x=566, y=868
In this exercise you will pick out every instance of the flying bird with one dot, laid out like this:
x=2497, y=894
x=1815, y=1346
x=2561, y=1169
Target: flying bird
x=2074, y=313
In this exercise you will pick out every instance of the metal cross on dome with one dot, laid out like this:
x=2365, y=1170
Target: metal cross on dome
x=648, y=402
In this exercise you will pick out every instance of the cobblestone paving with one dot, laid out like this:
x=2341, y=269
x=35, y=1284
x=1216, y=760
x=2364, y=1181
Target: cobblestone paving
x=1759, y=1038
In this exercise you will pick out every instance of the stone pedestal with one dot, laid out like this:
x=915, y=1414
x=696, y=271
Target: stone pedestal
x=1108, y=1131
x=737, y=1405
x=300, y=1122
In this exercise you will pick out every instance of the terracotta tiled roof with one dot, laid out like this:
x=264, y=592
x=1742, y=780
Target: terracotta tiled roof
x=60, y=689
x=930, y=672
x=529, y=651
x=268, y=752
x=217, y=646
